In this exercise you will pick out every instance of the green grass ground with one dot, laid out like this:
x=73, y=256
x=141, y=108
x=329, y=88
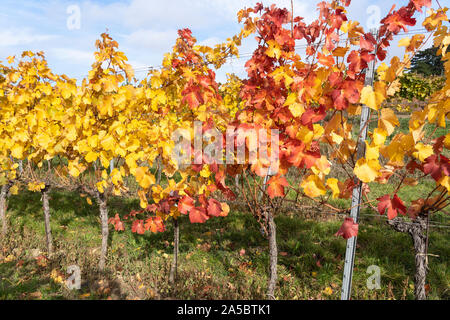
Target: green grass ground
x=212, y=263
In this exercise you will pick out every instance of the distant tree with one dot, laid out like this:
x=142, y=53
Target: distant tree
x=428, y=63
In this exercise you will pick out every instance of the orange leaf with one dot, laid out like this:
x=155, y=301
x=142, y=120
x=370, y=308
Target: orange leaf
x=276, y=186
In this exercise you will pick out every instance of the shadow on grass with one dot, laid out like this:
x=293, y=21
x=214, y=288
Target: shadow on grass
x=305, y=246
x=17, y=285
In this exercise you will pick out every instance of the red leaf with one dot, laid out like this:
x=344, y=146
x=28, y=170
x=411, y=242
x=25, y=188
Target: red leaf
x=339, y=101
x=393, y=206
x=298, y=157
x=198, y=215
x=151, y=207
x=399, y=20
x=366, y=44
x=138, y=227
x=214, y=208
x=311, y=116
x=348, y=229
x=356, y=62
x=325, y=60
x=436, y=168
x=154, y=224
x=185, y=204
x=420, y=3
x=186, y=34
x=192, y=97
x=352, y=90
x=118, y=225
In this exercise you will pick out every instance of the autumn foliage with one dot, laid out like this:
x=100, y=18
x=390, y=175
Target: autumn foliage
x=109, y=126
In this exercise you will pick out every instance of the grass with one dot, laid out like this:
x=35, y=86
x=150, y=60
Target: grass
x=225, y=258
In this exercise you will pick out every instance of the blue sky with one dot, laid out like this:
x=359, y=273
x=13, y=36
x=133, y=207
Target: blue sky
x=145, y=29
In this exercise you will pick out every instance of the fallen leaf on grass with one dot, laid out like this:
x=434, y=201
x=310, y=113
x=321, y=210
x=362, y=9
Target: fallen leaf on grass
x=41, y=261
x=35, y=295
x=57, y=276
x=328, y=291
x=9, y=258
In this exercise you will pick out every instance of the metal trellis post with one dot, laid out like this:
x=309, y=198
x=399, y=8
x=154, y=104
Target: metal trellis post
x=356, y=196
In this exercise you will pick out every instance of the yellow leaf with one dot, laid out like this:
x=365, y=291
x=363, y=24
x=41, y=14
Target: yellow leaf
x=292, y=98
x=274, y=50
x=143, y=199
x=91, y=156
x=147, y=181
x=388, y=120
x=423, y=151
x=296, y=109
x=328, y=291
x=144, y=179
x=17, y=151
x=404, y=42
x=108, y=143
x=93, y=141
x=71, y=133
x=322, y=167
x=89, y=201
x=447, y=141
x=313, y=186
x=73, y=171
x=101, y=186
x=332, y=183
x=14, y=190
x=372, y=152
x=56, y=277
x=400, y=146
x=445, y=182
x=371, y=98
x=367, y=170
x=336, y=138
x=379, y=136
x=205, y=173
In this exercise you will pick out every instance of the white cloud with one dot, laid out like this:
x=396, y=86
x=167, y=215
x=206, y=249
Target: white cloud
x=25, y=36
x=73, y=55
x=152, y=39
x=210, y=42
